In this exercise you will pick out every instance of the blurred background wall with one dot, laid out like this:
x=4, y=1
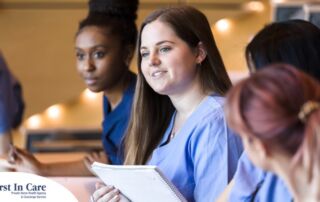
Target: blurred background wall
x=37, y=40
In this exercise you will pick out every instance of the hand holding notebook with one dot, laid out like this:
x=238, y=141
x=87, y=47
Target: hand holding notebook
x=138, y=183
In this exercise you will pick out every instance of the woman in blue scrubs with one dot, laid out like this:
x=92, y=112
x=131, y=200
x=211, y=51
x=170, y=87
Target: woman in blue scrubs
x=294, y=42
x=277, y=113
x=105, y=44
x=178, y=122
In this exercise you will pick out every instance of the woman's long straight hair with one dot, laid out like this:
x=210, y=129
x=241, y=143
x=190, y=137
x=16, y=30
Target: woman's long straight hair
x=152, y=112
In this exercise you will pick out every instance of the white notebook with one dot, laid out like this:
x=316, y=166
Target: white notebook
x=139, y=183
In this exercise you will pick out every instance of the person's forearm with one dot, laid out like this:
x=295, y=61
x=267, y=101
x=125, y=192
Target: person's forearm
x=72, y=168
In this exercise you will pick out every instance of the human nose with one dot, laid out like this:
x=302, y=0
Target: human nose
x=88, y=65
x=154, y=59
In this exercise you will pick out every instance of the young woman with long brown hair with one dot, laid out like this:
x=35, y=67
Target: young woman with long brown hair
x=177, y=122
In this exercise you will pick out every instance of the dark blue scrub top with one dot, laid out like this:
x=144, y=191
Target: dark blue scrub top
x=115, y=123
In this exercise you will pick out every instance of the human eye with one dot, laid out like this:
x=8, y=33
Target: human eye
x=80, y=56
x=99, y=54
x=144, y=54
x=164, y=49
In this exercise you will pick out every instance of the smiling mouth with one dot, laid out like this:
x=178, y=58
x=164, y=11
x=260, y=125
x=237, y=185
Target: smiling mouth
x=157, y=74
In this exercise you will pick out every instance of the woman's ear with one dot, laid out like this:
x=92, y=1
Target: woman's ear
x=261, y=149
x=201, y=53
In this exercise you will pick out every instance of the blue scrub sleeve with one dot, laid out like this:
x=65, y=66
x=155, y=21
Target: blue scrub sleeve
x=247, y=180
x=11, y=101
x=215, y=152
x=5, y=102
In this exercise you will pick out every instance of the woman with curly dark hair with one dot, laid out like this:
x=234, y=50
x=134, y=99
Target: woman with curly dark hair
x=105, y=44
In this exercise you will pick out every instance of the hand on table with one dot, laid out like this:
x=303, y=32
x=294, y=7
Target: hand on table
x=23, y=161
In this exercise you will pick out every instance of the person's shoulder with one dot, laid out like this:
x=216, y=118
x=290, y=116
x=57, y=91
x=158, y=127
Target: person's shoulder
x=6, y=78
x=246, y=169
x=248, y=180
x=247, y=165
x=2, y=63
x=216, y=103
x=212, y=120
x=4, y=69
x=214, y=110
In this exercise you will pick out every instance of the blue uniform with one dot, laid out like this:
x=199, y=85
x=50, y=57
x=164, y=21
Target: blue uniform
x=202, y=158
x=254, y=184
x=11, y=102
x=115, y=123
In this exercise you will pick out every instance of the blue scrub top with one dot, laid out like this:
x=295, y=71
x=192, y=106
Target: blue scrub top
x=254, y=184
x=202, y=158
x=11, y=101
x=115, y=123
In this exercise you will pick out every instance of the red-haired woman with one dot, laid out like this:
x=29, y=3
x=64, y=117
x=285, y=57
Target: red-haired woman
x=277, y=113
x=294, y=42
